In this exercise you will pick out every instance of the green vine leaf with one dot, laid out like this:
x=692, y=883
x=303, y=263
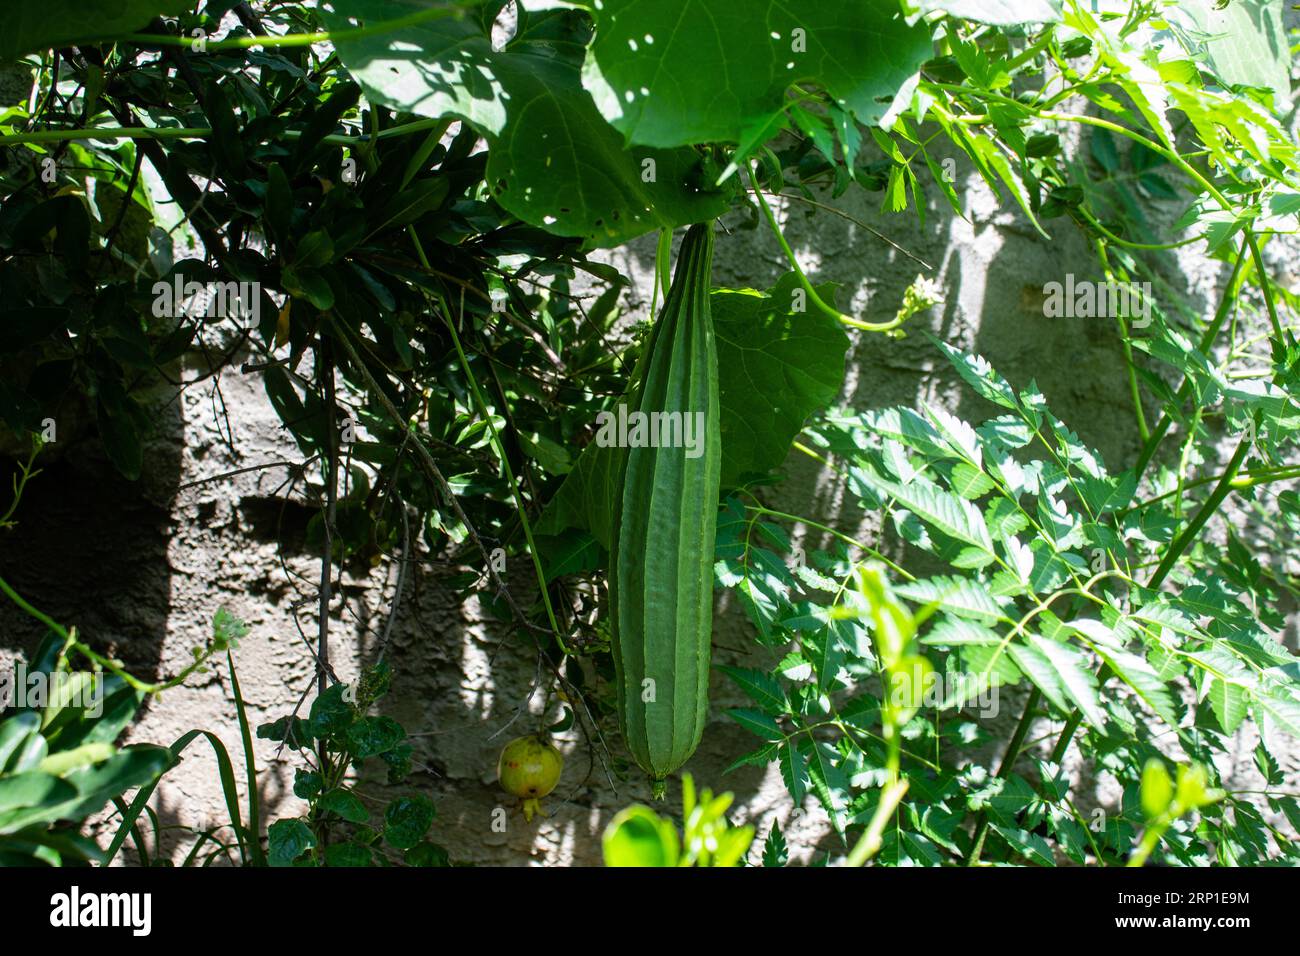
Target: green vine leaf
x=829, y=782
x=1244, y=42
x=553, y=161
x=776, y=366
x=688, y=71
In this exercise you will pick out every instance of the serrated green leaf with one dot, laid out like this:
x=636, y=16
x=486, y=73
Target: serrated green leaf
x=1277, y=715
x=1029, y=845
x=1076, y=679
x=1038, y=668
x=1228, y=702
x=1142, y=677
x=978, y=374
x=756, y=722
x=775, y=851
x=954, y=516
x=764, y=689
x=794, y=771
x=960, y=596
x=969, y=482
x=951, y=631
x=970, y=559
x=758, y=758
x=829, y=782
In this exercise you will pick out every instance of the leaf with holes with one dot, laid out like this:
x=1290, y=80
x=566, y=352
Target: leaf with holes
x=693, y=71
x=552, y=160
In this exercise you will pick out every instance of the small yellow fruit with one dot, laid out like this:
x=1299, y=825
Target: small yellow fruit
x=529, y=768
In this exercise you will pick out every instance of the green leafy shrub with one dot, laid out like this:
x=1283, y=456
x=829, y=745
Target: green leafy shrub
x=339, y=829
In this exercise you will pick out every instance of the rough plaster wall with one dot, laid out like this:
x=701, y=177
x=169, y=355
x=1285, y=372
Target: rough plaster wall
x=142, y=568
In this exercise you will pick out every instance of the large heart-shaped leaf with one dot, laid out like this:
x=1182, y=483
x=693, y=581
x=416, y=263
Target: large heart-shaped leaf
x=553, y=160
x=1244, y=42
x=671, y=72
x=776, y=367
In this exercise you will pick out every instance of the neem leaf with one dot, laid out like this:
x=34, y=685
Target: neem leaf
x=775, y=851
x=1076, y=679
x=759, y=685
x=553, y=161
x=692, y=71
x=829, y=782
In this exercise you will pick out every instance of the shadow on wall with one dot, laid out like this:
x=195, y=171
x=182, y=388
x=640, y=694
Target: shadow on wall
x=90, y=547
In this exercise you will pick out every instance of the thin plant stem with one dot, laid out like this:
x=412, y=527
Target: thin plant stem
x=501, y=453
x=70, y=640
x=200, y=132
x=803, y=279
x=1127, y=346
x=1176, y=549
x=1008, y=761
x=282, y=40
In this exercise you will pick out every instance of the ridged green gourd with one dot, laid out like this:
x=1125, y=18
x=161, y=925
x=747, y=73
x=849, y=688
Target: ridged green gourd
x=662, y=579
